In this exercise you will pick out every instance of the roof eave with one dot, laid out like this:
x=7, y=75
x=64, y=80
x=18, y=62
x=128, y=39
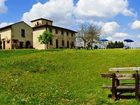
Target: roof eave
x=53, y=26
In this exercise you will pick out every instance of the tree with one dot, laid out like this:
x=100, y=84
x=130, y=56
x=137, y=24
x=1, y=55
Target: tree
x=89, y=34
x=115, y=44
x=45, y=38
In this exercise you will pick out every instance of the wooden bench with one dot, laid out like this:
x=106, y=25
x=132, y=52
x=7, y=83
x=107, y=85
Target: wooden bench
x=121, y=78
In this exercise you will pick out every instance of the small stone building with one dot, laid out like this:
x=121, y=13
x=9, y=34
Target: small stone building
x=62, y=37
x=17, y=35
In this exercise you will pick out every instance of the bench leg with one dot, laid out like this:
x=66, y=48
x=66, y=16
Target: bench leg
x=117, y=82
x=114, y=90
x=114, y=94
x=137, y=86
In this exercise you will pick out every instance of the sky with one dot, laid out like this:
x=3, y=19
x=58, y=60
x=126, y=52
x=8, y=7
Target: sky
x=118, y=19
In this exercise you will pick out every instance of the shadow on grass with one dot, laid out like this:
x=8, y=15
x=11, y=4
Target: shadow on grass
x=123, y=96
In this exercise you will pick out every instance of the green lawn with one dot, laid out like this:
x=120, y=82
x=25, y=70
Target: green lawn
x=60, y=77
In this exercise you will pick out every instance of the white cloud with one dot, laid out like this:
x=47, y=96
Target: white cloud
x=60, y=11
x=3, y=8
x=110, y=27
x=138, y=36
x=107, y=28
x=4, y=24
x=102, y=8
x=127, y=12
x=97, y=23
x=66, y=13
x=109, y=38
x=135, y=24
x=119, y=36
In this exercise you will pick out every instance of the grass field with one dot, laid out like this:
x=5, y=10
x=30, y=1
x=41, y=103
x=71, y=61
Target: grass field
x=60, y=77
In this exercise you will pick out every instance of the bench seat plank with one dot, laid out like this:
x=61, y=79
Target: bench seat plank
x=126, y=87
x=125, y=78
x=124, y=69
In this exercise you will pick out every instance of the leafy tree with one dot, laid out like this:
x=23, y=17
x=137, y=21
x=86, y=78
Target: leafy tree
x=115, y=44
x=45, y=38
x=89, y=34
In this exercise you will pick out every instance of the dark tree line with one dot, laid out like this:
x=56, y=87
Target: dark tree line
x=115, y=44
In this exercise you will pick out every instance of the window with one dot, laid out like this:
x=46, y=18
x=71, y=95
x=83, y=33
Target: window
x=67, y=33
x=63, y=43
x=22, y=32
x=71, y=34
x=51, y=42
x=62, y=32
x=37, y=24
x=8, y=41
x=56, y=31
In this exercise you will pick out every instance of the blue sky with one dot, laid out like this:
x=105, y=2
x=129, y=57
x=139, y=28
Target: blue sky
x=16, y=8
x=119, y=19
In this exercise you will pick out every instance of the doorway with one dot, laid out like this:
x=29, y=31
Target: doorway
x=56, y=43
x=72, y=44
x=68, y=44
x=20, y=44
x=28, y=44
x=3, y=44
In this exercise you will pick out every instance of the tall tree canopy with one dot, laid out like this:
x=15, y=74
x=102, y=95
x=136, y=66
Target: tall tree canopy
x=45, y=38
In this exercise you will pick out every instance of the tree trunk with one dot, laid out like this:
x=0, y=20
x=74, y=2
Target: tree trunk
x=46, y=46
x=84, y=44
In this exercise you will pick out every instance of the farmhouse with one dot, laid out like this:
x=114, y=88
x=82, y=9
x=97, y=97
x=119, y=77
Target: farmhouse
x=20, y=35
x=17, y=35
x=62, y=37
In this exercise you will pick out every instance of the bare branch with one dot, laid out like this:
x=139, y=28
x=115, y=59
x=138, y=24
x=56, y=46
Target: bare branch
x=89, y=34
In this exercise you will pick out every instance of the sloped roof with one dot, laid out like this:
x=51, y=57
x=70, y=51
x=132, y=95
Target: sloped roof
x=9, y=26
